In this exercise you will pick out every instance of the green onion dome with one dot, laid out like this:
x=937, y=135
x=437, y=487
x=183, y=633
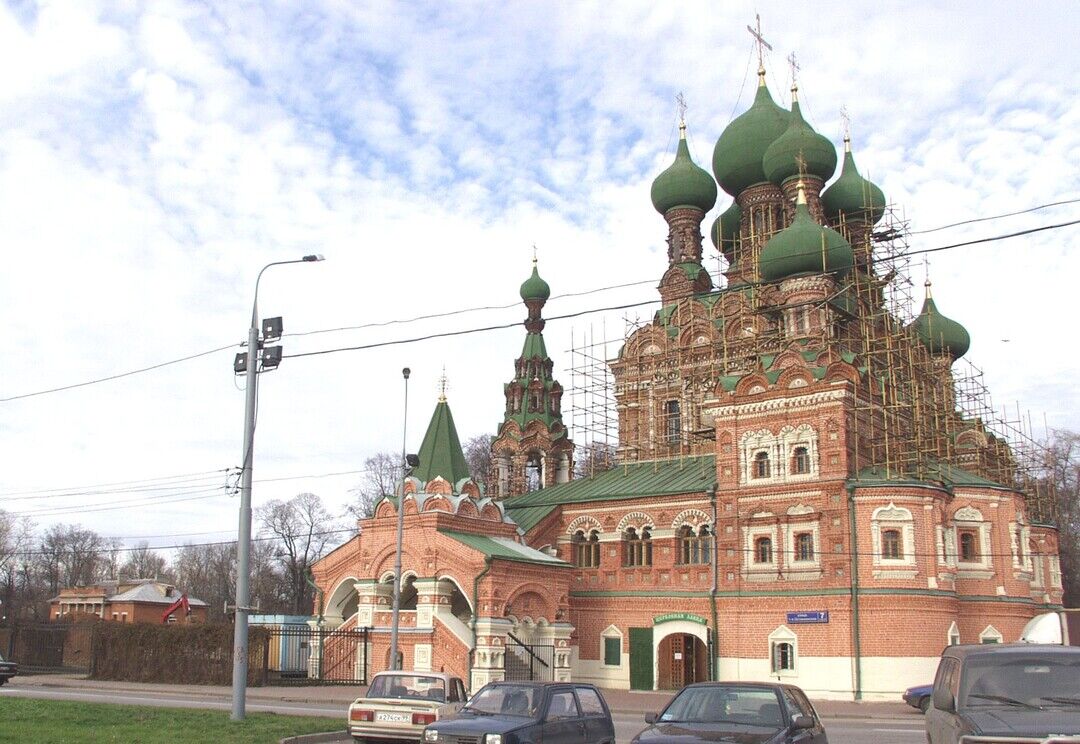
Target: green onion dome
x=939, y=334
x=805, y=247
x=683, y=184
x=725, y=230
x=852, y=195
x=534, y=287
x=737, y=157
x=799, y=142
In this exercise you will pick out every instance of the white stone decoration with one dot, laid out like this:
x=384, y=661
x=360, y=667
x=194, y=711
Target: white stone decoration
x=636, y=519
x=780, y=449
x=692, y=517
x=893, y=517
x=784, y=634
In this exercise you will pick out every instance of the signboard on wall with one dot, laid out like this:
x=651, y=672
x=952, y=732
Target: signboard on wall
x=813, y=616
x=687, y=616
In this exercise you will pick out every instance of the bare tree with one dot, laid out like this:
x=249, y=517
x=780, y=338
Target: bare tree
x=269, y=588
x=478, y=456
x=208, y=572
x=593, y=458
x=382, y=474
x=71, y=556
x=144, y=563
x=16, y=537
x=303, y=528
x=1063, y=470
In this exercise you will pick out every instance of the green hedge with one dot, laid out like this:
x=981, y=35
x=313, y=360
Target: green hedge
x=178, y=654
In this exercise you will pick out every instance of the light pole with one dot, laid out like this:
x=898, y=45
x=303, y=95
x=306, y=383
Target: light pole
x=396, y=612
x=243, y=545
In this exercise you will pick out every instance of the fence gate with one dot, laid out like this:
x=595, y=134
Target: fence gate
x=298, y=655
x=526, y=661
x=51, y=647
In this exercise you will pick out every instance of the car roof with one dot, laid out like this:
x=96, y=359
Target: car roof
x=410, y=673
x=984, y=649
x=537, y=683
x=762, y=685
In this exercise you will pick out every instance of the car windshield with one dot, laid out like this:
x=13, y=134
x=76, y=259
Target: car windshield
x=407, y=686
x=507, y=700
x=752, y=706
x=1030, y=680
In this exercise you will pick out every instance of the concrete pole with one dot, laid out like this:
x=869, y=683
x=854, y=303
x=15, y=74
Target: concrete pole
x=395, y=614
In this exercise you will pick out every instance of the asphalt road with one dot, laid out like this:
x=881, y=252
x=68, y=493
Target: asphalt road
x=884, y=730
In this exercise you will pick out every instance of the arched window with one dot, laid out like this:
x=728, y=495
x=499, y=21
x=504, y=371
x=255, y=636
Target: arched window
x=672, y=422
x=800, y=461
x=586, y=549
x=892, y=547
x=691, y=547
x=761, y=465
x=637, y=548
x=804, y=547
x=763, y=550
x=783, y=657
x=969, y=545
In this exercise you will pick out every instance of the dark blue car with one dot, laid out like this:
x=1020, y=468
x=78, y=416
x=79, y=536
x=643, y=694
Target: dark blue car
x=918, y=696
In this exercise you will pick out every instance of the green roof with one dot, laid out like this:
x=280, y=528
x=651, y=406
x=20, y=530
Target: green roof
x=503, y=547
x=852, y=195
x=805, y=247
x=799, y=149
x=939, y=334
x=737, y=157
x=440, y=454
x=627, y=481
x=534, y=346
x=534, y=287
x=683, y=184
x=940, y=472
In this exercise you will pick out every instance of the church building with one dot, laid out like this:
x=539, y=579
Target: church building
x=797, y=494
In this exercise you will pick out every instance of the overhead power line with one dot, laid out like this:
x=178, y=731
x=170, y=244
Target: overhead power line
x=160, y=365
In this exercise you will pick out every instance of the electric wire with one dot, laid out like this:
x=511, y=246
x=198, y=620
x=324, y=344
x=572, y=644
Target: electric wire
x=180, y=360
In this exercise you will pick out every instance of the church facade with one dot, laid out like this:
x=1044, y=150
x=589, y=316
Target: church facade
x=797, y=494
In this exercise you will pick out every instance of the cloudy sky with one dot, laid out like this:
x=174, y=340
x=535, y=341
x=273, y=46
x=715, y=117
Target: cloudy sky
x=154, y=156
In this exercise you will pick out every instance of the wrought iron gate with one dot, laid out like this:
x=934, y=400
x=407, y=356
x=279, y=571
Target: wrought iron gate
x=299, y=655
x=526, y=661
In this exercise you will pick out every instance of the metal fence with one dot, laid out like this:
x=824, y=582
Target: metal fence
x=528, y=661
x=50, y=647
x=299, y=655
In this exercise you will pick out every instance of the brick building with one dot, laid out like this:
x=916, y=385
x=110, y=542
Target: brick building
x=797, y=493
x=135, y=601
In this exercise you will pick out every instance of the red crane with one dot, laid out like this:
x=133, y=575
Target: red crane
x=181, y=602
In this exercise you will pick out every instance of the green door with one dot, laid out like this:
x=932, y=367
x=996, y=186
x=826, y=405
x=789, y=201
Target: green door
x=641, y=661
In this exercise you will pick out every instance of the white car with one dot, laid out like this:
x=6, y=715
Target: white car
x=398, y=705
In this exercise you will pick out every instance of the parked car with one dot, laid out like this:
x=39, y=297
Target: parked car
x=8, y=669
x=398, y=705
x=1022, y=692
x=918, y=696
x=521, y=712
x=746, y=712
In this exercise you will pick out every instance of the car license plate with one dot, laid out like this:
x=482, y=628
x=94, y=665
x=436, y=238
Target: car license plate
x=393, y=717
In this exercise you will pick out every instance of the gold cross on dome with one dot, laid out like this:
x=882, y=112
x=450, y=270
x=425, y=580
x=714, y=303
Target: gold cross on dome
x=846, y=118
x=680, y=106
x=762, y=45
x=795, y=69
x=443, y=385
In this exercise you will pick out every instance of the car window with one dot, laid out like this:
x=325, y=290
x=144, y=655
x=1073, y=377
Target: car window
x=1031, y=678
x=457, y=692
x=506, y=699
x=589, y=700
x=804, y=702
x=795, y=707
x=754, y=706
x=561, y=706
x=404, y=686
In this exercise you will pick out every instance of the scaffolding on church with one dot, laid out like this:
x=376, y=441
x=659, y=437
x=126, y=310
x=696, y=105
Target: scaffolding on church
x=594, y=425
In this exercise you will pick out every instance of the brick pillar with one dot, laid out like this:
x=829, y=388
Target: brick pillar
x=490, y=654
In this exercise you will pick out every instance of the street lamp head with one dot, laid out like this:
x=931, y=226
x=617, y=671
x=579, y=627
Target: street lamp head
x=315, y=257
x=406, y=372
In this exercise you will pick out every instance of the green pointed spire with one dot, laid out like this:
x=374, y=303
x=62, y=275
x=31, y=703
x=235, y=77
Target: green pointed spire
x=441, y=453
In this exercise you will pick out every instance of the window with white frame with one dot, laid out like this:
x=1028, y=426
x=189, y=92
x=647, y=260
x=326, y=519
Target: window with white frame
x=801, y=537
x=972, y=539
x=761, y=465
x=1055, y=572
x=789, y=455
x=763, y=552
x=1020, y=539
x=760, y=547
x=611, y=646
x=804, y=546
x=892, y=532
x=953, y=638
x=783, y=652
x=990, y=635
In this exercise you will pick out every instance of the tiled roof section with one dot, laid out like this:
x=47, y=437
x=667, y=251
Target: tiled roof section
x=503, y=547
x=628, y=481
x=440, y=453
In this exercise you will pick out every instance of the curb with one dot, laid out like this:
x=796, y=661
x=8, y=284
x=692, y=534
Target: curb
x=315, y=738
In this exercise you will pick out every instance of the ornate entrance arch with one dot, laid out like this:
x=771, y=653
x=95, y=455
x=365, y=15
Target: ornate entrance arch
x=681, y=654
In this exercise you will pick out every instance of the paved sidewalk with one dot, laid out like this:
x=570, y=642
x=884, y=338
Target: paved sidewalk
x=620, y=701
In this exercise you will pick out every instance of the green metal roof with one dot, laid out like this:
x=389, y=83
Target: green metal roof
x=503, y=547
x=440, y=454
x=627, y=481
x=853, y=195
x=535, y=288
x=683, y=183
x=936, y=473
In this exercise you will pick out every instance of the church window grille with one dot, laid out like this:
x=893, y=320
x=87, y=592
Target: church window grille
x=763, y=550
x=586, y=550
x=783, y=657
x=800, y=461
x=804, y=547
x=672, y=422
x=693, y=548
x=761, y=465
x=892, y=547
x=969, y=546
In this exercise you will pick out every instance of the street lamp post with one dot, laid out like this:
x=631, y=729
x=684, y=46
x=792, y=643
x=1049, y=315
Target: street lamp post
x=243, y=546
x=395, y=615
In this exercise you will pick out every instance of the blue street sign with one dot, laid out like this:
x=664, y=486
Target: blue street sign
x=816, y=616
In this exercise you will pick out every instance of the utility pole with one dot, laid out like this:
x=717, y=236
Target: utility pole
x=395, y=614
x=245, y=363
